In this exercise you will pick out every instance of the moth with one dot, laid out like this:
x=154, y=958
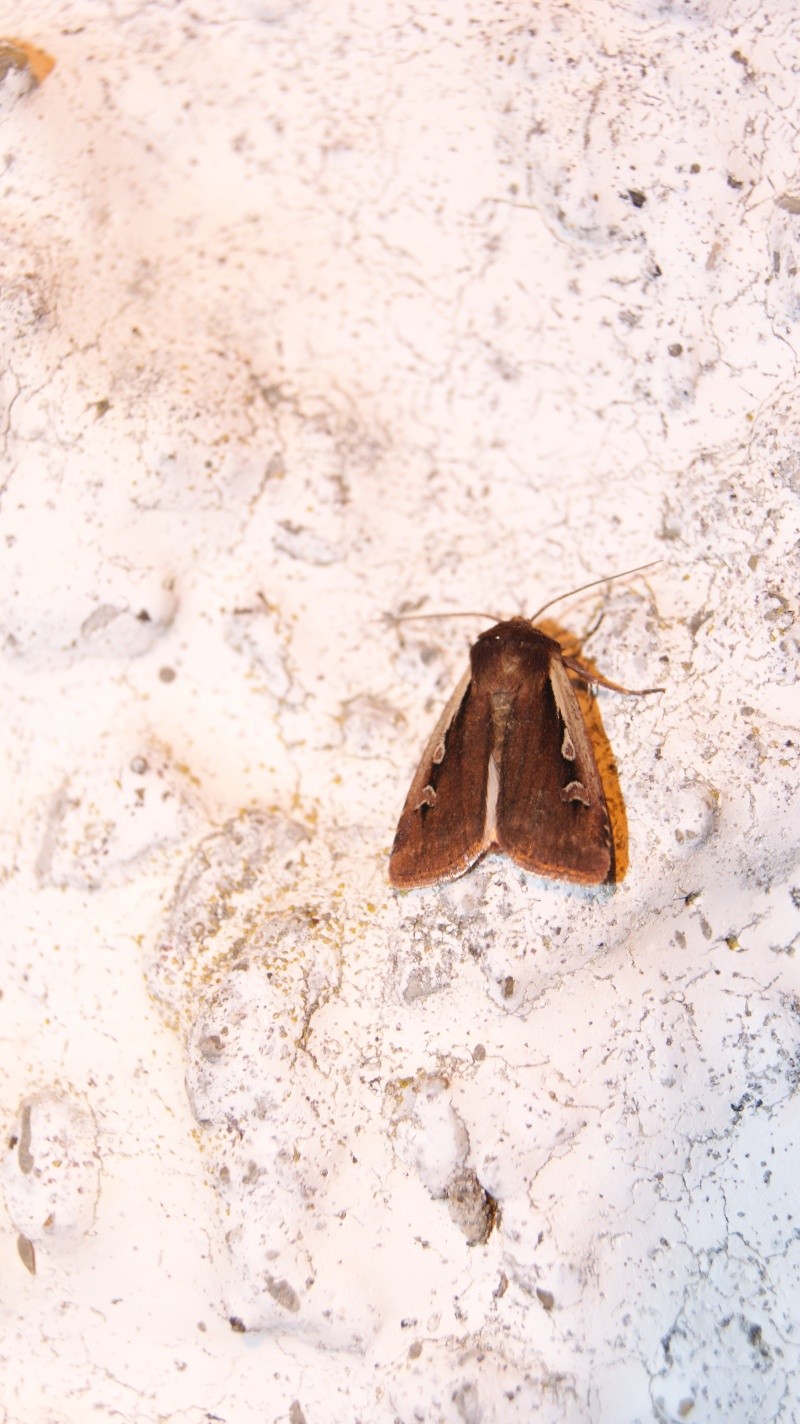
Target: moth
x=509, y=768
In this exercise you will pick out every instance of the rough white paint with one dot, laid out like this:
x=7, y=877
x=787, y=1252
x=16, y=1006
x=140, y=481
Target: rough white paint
x=313, y=313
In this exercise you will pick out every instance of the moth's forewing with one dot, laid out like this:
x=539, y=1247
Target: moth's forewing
x=551, y=815
x=440, y=831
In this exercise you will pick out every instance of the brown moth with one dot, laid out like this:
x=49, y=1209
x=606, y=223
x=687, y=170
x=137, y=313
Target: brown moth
x=509, y=768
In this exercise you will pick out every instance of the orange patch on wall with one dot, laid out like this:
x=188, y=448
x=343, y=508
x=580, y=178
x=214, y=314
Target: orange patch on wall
x=18, y=54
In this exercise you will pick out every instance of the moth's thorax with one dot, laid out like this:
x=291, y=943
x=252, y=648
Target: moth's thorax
x=508, y=653
x=502, y=705
x=505, y=660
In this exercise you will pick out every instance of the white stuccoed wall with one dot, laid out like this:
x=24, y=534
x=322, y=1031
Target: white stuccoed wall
x=312, y=313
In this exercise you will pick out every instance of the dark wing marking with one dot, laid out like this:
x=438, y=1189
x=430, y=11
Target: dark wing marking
x=441, y=828
x=552, y=816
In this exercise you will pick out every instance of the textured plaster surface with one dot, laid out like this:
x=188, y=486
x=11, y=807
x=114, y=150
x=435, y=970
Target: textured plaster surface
x=314, y=313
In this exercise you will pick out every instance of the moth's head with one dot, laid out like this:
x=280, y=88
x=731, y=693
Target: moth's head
x=512, y=645
x=513, y=632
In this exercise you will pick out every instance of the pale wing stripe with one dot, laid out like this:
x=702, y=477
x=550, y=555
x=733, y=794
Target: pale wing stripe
x=567, y=705
x=492, y=793
x=431, y=756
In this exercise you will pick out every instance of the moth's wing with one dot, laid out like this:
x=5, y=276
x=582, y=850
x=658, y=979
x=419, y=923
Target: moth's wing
x=441, y=828
x=552, y=816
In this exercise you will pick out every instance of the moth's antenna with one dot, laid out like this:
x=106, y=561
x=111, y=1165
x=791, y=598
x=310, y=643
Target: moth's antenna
x=493, y=617
x=459, y=613
x=594, y=583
